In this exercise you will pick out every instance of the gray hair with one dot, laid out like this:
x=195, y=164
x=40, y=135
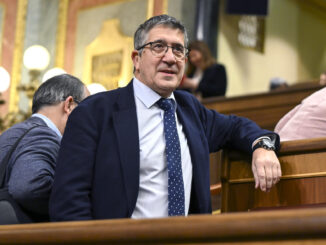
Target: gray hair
x=141, y=33
x=57, y=89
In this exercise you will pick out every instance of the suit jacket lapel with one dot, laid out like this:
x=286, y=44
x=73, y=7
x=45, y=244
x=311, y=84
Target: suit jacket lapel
x=126, y=128
x=194, y=138
x=199, y=155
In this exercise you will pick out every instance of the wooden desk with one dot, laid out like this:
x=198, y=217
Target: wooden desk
x=266, y=109
x=303, y=181
x=266, y=227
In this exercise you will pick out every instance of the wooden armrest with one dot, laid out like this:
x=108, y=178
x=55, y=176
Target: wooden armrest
x=302, y=181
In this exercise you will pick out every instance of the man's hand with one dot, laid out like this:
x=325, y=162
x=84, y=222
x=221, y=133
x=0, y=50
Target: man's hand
x=266, y=168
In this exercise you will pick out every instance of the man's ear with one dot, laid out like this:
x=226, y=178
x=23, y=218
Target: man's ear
x=68, y=105
x=135, y=59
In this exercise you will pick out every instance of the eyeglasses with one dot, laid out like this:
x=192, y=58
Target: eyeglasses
x=76, y=101
x=159, y=49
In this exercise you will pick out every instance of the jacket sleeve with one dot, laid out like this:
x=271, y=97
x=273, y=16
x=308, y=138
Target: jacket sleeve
x=32, y=173
x=230, y=131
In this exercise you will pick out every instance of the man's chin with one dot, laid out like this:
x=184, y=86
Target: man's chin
x=169, y=83
x=168, y=78
x=166, y=89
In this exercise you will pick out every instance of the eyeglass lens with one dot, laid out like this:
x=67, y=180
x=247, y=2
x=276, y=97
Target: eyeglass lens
x=160, y=48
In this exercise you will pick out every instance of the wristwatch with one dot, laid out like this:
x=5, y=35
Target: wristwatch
x=265, y=143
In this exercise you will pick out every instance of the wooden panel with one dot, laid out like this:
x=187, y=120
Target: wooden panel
x=266, y=109
x=293, y=166
x=265, y=227
x=303, y=180
x=292, y=193
x=215, y=179
x=261, y=100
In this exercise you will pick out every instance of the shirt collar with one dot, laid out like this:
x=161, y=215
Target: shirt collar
x=146, y=95
x=49, y=123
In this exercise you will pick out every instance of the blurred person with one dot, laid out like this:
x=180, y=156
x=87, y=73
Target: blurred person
x=204, y=76
x=306, y=120
x=277, y=83
x=142, y=151
x=322, y=79
x=30, y=170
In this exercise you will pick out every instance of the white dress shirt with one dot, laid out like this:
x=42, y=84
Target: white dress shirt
x=153, y=180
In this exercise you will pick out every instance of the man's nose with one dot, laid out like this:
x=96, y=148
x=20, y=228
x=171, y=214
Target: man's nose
x=168, y=55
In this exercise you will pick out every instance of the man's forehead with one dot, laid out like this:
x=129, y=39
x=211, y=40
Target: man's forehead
x=164, y=33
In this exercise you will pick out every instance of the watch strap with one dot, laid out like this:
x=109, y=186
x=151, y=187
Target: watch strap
x=266, y=143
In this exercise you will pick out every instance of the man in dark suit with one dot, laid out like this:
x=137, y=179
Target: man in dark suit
x=30, y=170
x=115, y=159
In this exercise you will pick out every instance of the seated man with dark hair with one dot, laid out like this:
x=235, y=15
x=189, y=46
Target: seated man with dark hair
x=30, y=169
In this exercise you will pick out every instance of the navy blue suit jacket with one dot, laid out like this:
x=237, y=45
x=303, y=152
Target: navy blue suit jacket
x=97, y=174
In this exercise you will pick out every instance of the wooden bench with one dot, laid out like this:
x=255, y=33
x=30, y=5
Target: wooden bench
x=266, y=109
x=303, y=181
x=266, y=227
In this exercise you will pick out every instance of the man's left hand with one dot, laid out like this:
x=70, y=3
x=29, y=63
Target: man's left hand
x=266, y=169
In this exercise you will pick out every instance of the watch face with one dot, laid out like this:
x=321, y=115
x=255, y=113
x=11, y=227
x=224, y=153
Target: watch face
x=268, y=144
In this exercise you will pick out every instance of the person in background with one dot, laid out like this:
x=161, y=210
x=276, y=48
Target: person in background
x=30, y=170
x=277, y=83
x=204, y=76
x=142, y=151
x=322, y=80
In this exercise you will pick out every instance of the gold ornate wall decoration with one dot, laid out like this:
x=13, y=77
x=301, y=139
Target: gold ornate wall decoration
x=106, y=69
x=156, y=7
x=165, y=7
x=150, y=8
x=67, y=19
x=2, y=21
x=67, y=26
x=107, y=58
x=18, y=54
x=61, y=33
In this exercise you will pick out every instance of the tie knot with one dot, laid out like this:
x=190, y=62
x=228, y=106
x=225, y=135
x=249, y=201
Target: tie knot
x=166, y=104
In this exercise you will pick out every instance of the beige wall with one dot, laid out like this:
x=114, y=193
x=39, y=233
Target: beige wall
x=295, y=49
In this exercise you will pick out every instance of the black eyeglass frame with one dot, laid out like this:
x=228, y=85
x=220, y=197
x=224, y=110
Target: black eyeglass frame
x=185, y=53
x=76, y=101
